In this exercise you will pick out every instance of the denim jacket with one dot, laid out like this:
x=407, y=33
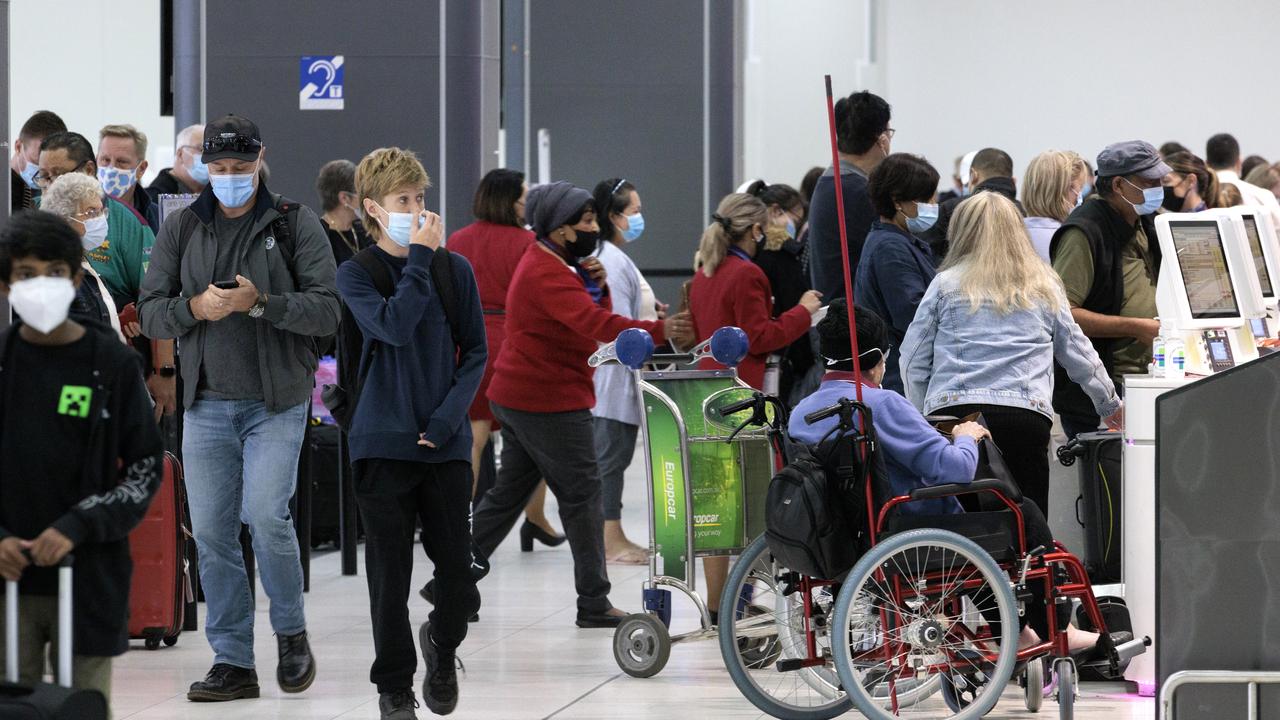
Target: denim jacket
x=953, y=355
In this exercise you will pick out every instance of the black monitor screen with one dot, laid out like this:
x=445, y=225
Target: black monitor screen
x=1259, y=262
x=1203, y=262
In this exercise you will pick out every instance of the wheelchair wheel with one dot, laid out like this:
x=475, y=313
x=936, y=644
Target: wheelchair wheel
x=1065, y=669
x=950, y=617
x=1033, y=685
x=641, y=645
x=762, y=623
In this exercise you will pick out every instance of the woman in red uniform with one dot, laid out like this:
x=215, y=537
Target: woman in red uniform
x=729, y=289
x=493, y=245
x=542, y=391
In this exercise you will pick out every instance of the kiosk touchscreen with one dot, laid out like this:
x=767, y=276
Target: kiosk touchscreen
x=1208, y=289
x=1258, y=229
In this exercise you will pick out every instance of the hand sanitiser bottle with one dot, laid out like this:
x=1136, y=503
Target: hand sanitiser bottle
x=1175, y=351
x=1159, y=355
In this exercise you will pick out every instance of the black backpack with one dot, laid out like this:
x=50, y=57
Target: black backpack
x=815, y=511
x=340, y=399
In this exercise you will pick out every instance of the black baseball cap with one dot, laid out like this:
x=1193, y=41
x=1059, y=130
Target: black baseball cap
x=231, y=136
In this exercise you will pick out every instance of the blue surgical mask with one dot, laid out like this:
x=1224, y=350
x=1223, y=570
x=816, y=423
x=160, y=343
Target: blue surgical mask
x=1080, y=199
x=791, y=228
x=399, y=226
x=1152, y=199
x=29, y=175
x=95, y=232
x=635, y=227
x=116, y=181
x=926, y=216
x=236, y=190
x=198, y=170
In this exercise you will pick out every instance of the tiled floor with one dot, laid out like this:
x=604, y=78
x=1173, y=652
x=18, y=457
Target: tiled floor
x=525, y=659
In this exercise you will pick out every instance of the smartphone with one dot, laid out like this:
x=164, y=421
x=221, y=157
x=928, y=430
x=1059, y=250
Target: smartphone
x=129, y=314
x=227, y=285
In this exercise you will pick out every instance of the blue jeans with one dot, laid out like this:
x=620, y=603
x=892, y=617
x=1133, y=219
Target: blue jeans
x=241, y=466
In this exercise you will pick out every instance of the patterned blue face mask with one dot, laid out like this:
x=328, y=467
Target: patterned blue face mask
x=116, y=181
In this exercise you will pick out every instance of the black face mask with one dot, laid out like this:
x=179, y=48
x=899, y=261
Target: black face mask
x=1172, y=202
x=584, y=245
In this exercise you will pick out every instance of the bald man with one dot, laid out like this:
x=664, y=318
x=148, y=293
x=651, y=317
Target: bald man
x=188, y=174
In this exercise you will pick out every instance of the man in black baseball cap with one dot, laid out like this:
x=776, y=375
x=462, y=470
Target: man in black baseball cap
x=245, y=278
x=1108, y=257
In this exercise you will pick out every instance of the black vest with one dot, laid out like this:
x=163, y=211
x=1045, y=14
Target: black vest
x=1108, y=235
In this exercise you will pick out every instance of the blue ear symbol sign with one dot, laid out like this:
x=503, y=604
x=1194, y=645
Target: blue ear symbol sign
x=729, y=345
x=634, y=347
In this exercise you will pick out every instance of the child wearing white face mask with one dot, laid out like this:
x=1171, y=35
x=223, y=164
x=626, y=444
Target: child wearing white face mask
x=80, y=453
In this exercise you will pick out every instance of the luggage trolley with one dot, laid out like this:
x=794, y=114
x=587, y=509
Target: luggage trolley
x=707, y=472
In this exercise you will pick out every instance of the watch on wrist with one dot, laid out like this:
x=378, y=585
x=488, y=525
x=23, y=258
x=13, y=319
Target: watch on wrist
x=167, y=371
x=259, y=307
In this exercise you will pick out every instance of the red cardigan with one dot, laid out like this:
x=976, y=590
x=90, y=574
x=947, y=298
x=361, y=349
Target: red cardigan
x=739, y=294
x=552, y=328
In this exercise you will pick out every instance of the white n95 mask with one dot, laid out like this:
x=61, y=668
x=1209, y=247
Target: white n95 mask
x=42, y=302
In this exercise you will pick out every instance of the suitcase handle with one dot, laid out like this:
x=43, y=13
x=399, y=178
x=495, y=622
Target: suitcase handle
x=64, y=624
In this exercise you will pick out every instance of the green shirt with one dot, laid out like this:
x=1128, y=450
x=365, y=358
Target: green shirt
x=122, y=260
x=1074, y=264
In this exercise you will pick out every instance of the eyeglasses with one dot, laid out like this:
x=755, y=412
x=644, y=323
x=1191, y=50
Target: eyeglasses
x=234, y=143
x=889, y=132
x=90, y=214
x=44, y=180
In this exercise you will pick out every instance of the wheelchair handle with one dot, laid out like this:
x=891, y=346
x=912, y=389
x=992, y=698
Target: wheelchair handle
x=738, y=406
x=824, y=413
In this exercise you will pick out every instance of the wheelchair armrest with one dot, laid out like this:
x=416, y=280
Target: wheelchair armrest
x=977, y=486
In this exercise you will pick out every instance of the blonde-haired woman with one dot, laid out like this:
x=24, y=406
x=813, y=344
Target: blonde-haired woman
x=730, y=289
x=1052, y=187
x=987, y=333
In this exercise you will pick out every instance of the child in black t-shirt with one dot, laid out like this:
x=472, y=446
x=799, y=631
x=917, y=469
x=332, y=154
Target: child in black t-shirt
x=80, y=453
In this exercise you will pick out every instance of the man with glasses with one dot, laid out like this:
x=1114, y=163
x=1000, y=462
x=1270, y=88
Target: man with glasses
x=189, y=174
x=122, y=161
x=1108, y=257
x=121, y=261
x=25, y=161
x=246, y=279
x=863, y=137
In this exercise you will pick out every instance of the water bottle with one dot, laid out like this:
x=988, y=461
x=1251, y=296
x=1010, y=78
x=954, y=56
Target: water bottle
x=1175, y=351
x=1159, y=353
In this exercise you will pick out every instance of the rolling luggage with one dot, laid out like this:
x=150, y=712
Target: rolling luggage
x=43, y=701
x=1098, y=507
x=322, y=473
x=161, y=585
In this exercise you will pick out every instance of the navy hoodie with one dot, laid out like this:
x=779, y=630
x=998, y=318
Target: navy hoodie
x=419, y=380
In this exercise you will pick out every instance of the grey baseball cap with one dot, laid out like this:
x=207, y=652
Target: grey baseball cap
x=1132, y=157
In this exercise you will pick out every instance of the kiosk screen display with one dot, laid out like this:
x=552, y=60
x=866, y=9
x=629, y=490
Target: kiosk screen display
x=1259, y=262
x=1203, y=262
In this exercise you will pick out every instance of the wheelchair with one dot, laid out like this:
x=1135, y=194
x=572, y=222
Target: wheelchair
x=925, y=624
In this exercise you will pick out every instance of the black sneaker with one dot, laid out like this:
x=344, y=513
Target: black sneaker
x=428, y=593
x=398, y=705
x=225, y=682
x=297, y=667
x=440, y=689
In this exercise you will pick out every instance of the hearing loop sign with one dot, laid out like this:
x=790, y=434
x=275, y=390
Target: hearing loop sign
x=320, y=82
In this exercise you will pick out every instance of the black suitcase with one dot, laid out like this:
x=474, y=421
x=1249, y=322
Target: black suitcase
x=322, y=467
x=44, y=701
x=1098, y=507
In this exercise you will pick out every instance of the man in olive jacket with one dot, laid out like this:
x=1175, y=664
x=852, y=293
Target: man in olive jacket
x=245, y=281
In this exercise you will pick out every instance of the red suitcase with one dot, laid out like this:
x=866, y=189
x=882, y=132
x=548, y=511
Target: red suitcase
x=161, y=585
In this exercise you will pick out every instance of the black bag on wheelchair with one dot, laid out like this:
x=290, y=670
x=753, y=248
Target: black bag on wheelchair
x=815, y=511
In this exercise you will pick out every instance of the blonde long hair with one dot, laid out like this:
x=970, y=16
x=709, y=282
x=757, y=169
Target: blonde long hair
x=733, y=218
x=993, y=259
x=1047, y=181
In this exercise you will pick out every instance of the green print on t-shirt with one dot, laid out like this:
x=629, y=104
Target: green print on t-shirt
x=75, y=401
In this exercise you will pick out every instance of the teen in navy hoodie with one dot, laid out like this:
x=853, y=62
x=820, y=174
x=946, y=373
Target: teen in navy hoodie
x=409, y=436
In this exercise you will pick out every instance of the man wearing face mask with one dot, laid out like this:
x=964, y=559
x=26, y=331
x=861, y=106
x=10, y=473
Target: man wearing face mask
x=25, y=161
x=245, y=278
x=122, y=161
x=1109, y=259
x=189, y=174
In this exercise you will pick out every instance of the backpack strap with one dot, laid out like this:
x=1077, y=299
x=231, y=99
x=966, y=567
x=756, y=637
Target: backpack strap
x=385, y=284
x=442, y=277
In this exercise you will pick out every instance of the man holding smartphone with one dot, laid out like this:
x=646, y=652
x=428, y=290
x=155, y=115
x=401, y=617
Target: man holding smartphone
x=254, y=291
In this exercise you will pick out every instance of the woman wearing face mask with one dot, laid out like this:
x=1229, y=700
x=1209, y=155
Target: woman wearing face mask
x=896, y=265
x=1052, y=188
x=78, y=198
x=987, y=334
x=782, y=258
x=558, y=311
x=494, y=244
x=340, y=216
x=616, y=416
x=1191, y=187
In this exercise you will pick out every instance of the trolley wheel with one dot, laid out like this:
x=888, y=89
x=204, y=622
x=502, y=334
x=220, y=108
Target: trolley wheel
x=171, y=641
x=1066, y=671
x=1033, y=684
x=641, y=645
x=152, y=643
